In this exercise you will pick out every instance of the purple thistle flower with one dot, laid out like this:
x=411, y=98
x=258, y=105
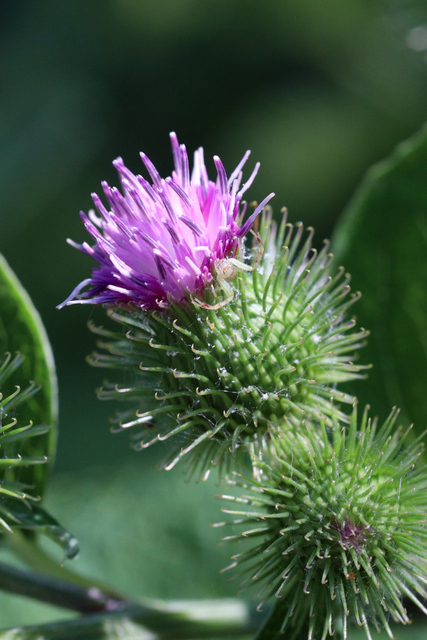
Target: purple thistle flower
x=159, y=242
x=352, y=535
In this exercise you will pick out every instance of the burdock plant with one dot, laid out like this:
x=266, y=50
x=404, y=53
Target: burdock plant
x=234, y=350
x=226, y=343
x=234, y=337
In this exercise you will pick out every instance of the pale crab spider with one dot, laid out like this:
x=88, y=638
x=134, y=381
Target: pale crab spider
x=227, y=269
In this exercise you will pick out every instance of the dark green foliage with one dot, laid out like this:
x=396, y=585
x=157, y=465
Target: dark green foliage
x=28, y=415
x=21, y=330
x=19, y=503
x=382, y=241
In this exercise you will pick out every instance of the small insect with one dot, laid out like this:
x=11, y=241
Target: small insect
x=227, y=269
x=351, y=576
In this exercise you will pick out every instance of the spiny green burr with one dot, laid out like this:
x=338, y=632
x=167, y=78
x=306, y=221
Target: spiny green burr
x=337, y=523
x=220, y=374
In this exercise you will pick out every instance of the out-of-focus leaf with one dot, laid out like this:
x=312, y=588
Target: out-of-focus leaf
x=31, y=516
x=382, y=241
x=89, y=628
x=146, y=533
x=21, y=330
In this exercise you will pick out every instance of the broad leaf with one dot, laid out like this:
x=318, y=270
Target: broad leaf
x=21, y=330
x=382, y=241
x=30, y=516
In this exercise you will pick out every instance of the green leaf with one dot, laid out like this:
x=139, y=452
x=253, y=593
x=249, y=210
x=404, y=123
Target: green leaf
x=177, y=620
x=28, y=412
x=382, y=241
x=30, y=516
x=21, y=330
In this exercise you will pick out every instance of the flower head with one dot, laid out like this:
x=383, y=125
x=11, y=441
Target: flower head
x=159, y=242
x=215, y=379
x=337, y=520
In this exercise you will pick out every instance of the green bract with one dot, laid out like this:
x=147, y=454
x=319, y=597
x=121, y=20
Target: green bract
x=338, y=522
x=231, y=371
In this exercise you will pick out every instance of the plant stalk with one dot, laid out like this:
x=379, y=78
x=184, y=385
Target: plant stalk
x=168, y=621
x=57, y=592
x=107, y=616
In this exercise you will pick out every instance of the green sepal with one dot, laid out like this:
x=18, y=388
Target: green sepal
x=21, y=330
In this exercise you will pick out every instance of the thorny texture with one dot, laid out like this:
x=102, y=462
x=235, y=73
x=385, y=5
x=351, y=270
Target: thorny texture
x=219, y=378
x=338, y=529
x=159, y=242
x=15, y=499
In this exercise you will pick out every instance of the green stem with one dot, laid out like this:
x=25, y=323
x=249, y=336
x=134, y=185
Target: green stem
x=171, y=621
x=111, y=616
x=28, y=551
x=56, y=592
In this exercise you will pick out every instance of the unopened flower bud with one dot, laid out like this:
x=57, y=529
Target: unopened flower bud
x=337, y=520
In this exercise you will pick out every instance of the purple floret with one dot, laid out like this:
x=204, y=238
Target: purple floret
x=353, y=535
x=157, y=243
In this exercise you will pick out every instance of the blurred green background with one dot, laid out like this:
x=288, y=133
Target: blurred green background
x=318, y=90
